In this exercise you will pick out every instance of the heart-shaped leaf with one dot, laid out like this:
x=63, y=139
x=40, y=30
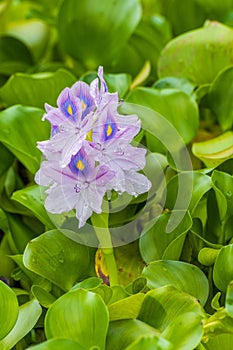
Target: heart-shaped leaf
x=176, y=314
x=14, y=55
x=72, y=315
x=150, y=36
x=8, y=309
x=58, y=344
x=35, y=89
x=215, y=151
x=198, y=55
x=170, y=103
x=219, y=342
x=201, y=184
x=229, y=299
x=223, y=268
x=220, y=98
x=29, y=314
x=82, y=36
x=34, y=32
x=124, y=333
x=186, y=277
x=57, y=258
x=223, y=187
x=157, y=242
x=31, y=198
x=127, y=308
x=17, y=121
x=183, y=16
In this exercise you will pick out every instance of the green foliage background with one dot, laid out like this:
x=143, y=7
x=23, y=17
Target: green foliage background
x=175, y=291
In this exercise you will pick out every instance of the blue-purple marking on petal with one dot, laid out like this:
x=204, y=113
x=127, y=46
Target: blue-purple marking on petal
x=68, y=108
x=86, y=104
x=54, y=130
x=110, y=129
x=79, y=163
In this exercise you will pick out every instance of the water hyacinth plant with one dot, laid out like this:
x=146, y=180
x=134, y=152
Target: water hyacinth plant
x=89, y=153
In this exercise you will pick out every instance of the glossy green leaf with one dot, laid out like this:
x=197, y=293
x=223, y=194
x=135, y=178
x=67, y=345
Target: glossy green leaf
x=82, y=29
x=72, y=315
x=150, y=343
x=168, y=310
x=8, y=309
x=31, y=198
x=213, y=227
x=118, y=293
x=7, y=265
x=6, y=159
x=156, y=163
x=183, y=16
x=220, y=98
x=215, y=151
x=223, y=268
x=14, y=55
x=186, y=277
x=127, y=308
x=29, y=314
x=229, y=299
x=33, y=32
x=19, y=233
x=198, y=55
x=89, y=283
x=58, y=344
x=45, y=298
x=223, y=187
x=182, y=84
x=186, y=331
x=17, y=121
x=201, y=184
x=220, y=342
x=216, y=6
x=170, y=103
x=156, y=243
x=36, y=89
x=144, y=45
x=151, y=6
x=123, y=333
x=96, y=285
x=26, y=276
x=57, y=258
x=105, y=292
x=163, y=131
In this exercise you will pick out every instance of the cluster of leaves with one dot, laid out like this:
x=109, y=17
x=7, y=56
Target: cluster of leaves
x=175, y=288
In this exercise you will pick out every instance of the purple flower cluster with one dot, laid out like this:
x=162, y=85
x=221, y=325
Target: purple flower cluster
x=89, y=150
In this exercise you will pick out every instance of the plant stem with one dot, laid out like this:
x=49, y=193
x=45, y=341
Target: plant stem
x=100, y=224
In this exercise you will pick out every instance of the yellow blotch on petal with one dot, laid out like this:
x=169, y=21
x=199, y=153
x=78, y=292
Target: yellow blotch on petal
x=89, y=136
x=109, y=130
x=80, y=165
x=83, y=104
x=69, y=110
